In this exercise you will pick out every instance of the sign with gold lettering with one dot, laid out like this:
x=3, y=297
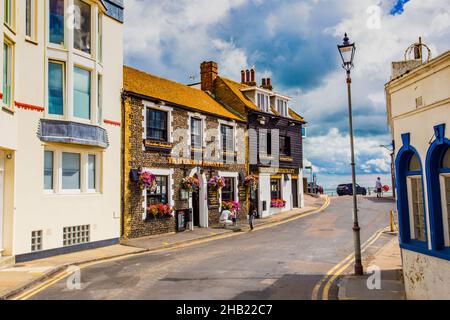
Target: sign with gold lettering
x=213, y=199
x=193, y=162
x=157, y=144
x=242, y=194
x=278, y=170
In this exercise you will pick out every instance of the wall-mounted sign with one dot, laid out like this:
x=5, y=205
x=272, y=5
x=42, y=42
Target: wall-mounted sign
x=213, y=199
x=193, y=162
x=242, y=194
x=157, y=144
x=287, y=159
x=278, y=170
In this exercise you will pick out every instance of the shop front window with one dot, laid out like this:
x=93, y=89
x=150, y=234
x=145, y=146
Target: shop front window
x=275, y=189
x=228, y=190
x=160, y=194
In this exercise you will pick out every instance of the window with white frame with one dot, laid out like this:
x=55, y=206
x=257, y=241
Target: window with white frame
x=7, y=73
x=99, y=38
x=282, y=107
x=227, y=138
x=445, y=194
x=196, y=133
x=56, y=85
x=99, y=99
x=416, y=200
x=68, y=171
x=262, y=101
x=82, y=26
x=8, y=12
x=56, y=22
x=30, y=19
x=82, y=93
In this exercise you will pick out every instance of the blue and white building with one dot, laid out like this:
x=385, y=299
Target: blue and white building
x=418, y=102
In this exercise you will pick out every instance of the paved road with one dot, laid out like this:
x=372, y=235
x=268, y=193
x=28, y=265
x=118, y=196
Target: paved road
x=284, y=262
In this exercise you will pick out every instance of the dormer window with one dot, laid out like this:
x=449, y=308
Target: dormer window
x=262, y=101
x=282, y=107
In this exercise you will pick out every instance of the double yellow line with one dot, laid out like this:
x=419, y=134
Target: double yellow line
x=327, y=281
x=66, y=273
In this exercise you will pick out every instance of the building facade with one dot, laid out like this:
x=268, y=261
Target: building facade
x=176, y=132
x=275, y=153
x=60, y=126
x=418, y=99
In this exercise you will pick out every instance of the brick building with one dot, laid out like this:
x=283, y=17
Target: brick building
x=175, y=131
x=274, y=136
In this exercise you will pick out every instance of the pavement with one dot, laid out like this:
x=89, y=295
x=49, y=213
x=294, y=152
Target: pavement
x=383, y=264
x=24, y=276
x=284, y=260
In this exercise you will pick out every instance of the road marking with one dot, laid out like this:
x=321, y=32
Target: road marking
x=63, y=274
x=337, y=270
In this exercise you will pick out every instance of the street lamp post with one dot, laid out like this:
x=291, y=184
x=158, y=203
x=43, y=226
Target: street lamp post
x=347, y=51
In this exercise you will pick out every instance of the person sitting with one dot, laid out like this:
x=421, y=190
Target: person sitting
x=225, y=218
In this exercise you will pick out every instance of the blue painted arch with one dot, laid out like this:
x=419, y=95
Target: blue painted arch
x=402, y=164
x=434, y=168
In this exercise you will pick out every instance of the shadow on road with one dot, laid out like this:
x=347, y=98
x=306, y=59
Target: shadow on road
x=288, y=287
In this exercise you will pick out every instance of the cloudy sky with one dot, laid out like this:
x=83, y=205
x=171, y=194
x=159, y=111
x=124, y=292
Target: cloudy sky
x=294, y=42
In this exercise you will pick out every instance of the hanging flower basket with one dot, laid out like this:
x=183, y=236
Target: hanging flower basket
x=216, y=183
x=147, y=180
x=190, y=184
x=278, y=203
x=251, y=182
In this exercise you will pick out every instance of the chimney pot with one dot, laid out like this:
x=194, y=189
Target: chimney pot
x=269, y=82
x=252, y=75
x=242, y=76
x=263, y=82
x=247, y=76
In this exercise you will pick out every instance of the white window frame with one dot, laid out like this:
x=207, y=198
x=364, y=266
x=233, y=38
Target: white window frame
x=170, y=183
x=93, y=100
x=11, y=45
x=235, y=176
x=57, y=171
x=47, y=27
x=12, y=25
x=94, y=34
x=33, y=22
x=64, y=86
x=151, y=105
x=202, y=118
x=445, y=213
x=411, y=207
x=230, y=124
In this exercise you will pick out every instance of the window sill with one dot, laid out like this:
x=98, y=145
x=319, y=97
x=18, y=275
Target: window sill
x=71, y=193
x=9, y=110
x=10, y=28
x=31, y=40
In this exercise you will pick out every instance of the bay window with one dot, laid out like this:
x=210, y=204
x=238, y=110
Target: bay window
x=99, y=99
x=56, y=88
x=82, y=93
x=156, y=125
x=56, y=22
x=68, y=170
x=82, y=26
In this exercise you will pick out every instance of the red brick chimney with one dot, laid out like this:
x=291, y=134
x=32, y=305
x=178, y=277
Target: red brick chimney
x=267, y=84
x=209, y=72
x=247, y=76
x=252, y=75
x=243, y=76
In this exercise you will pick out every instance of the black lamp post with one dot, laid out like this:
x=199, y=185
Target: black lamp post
x=347, y=52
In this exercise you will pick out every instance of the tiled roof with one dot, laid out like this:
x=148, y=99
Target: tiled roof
x=236, y=88
x=172, y=92
x=294, y=115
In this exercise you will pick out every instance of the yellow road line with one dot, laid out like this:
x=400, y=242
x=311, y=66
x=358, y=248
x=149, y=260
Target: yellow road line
x=58, y=277
x=337, y=270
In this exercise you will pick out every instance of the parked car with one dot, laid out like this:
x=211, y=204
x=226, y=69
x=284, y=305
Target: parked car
x=347, y=190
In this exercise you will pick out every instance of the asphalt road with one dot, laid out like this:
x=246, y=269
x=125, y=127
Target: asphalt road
x=283, y=262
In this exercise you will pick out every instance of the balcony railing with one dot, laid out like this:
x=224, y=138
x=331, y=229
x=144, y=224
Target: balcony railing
x=73, y=133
